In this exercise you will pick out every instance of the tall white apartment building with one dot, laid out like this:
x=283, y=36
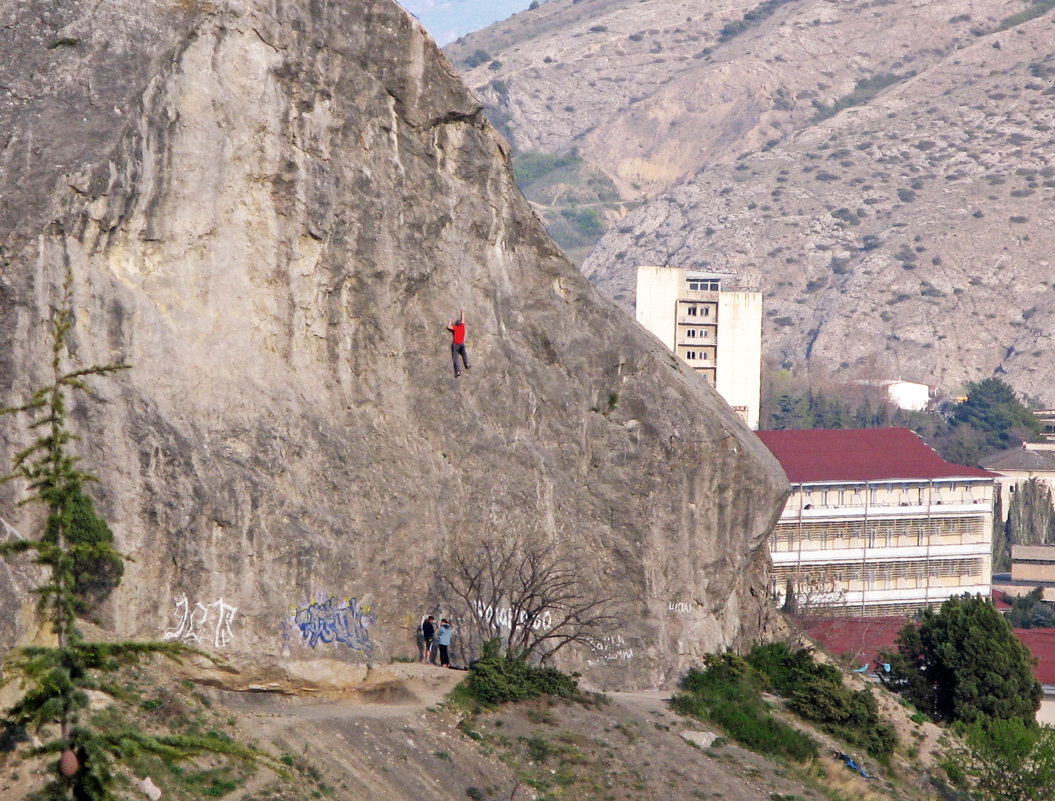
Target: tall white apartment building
x=715, y=326
x=878, y=523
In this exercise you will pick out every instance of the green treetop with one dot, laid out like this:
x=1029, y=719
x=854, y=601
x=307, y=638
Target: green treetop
x=964, y=663
x=993, y=409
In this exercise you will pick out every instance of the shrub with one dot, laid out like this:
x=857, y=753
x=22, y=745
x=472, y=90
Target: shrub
x=477, y=58
x=728, y=692
x=586, y=221
x=864, y=90
x=816, y=693
x=531, y=165
x=97, y=567
x=846, y=216
x=1038, y=8
x=495, y=680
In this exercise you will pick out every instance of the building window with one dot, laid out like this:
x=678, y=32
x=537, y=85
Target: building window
x=690, y=354
x=691, y=333
x=691, y=311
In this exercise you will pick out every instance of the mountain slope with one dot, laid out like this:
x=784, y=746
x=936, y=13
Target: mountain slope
x=879, y=169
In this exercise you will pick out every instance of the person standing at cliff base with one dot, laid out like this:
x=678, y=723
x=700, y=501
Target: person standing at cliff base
x=428, y=636
x=457, y=330
x=443, y=640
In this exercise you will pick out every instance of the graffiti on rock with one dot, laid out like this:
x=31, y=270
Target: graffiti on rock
x=200, y=622
x=341, y=623
x=680, y=606
x=608, y=649
x=502, y=617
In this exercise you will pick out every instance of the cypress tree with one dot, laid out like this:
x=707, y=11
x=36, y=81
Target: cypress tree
x=964, y=663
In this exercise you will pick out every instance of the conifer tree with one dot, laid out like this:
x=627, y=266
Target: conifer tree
x=964, y=663
x=75, y=550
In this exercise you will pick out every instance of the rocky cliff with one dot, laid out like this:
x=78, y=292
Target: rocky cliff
x=270, y=211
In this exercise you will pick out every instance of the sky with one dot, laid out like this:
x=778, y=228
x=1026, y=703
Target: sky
x=446, y=20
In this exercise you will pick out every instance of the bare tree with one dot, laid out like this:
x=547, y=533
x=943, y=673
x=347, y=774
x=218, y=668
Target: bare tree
x=815, y=595
x=529, y=596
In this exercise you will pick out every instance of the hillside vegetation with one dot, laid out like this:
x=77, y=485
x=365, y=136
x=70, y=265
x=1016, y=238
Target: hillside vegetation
x=401, y=737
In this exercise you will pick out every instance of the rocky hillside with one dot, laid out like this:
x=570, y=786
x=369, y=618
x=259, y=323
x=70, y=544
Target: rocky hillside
x=270, y=212
x=882, y=171
x=398, y=738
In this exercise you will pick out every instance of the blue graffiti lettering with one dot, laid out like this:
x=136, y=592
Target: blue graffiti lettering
x=347, y=624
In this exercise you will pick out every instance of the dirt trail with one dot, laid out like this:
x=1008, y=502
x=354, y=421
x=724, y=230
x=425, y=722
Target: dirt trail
x=395, y=691
x=393, y=740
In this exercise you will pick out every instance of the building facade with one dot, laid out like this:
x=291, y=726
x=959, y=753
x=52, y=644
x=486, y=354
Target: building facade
x=1033, y=460
x=877, y=523
x=1032, y=567
x=1047, y=422
x=714, y=326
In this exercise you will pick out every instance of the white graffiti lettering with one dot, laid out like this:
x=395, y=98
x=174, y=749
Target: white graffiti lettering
x=680, y=606
x=502, y=618
x=609, y=648
x=624, y=654
x=192, y=622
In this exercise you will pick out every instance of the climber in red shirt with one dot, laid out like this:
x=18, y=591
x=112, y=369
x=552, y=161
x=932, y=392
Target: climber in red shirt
x=457, y=330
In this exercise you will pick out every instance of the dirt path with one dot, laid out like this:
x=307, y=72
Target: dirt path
x=400, y=690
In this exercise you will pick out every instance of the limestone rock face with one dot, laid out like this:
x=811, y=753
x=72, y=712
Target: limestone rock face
x=270, y=211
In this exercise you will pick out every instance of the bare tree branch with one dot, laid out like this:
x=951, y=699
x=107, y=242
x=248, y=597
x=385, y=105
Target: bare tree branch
x=531, y=596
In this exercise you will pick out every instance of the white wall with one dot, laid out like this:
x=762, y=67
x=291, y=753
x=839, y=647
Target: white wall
x=657, y=300
x=909, y=395
x=739, y=374
x=739, y=335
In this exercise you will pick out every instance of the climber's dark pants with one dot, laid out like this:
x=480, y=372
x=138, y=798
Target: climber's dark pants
x=456, y=351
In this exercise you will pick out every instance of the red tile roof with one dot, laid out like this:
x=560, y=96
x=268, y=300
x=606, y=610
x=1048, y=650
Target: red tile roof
x=1041, y=643
x=862, y=637
x=860, y=454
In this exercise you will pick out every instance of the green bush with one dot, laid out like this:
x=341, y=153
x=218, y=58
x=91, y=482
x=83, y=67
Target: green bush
x=1037, y=8
x=728, y=692
x=751, y=18
x=864, y=90
x=586, y=221
x=496, y=679
x=97, y=567
x=477, y=58
x=531, y=165
x=816, y=693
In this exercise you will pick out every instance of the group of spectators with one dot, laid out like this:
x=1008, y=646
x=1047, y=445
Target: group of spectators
x=436, y=638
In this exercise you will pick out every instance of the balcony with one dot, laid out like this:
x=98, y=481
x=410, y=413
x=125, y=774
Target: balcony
x=810, y=554
x=890, y=507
